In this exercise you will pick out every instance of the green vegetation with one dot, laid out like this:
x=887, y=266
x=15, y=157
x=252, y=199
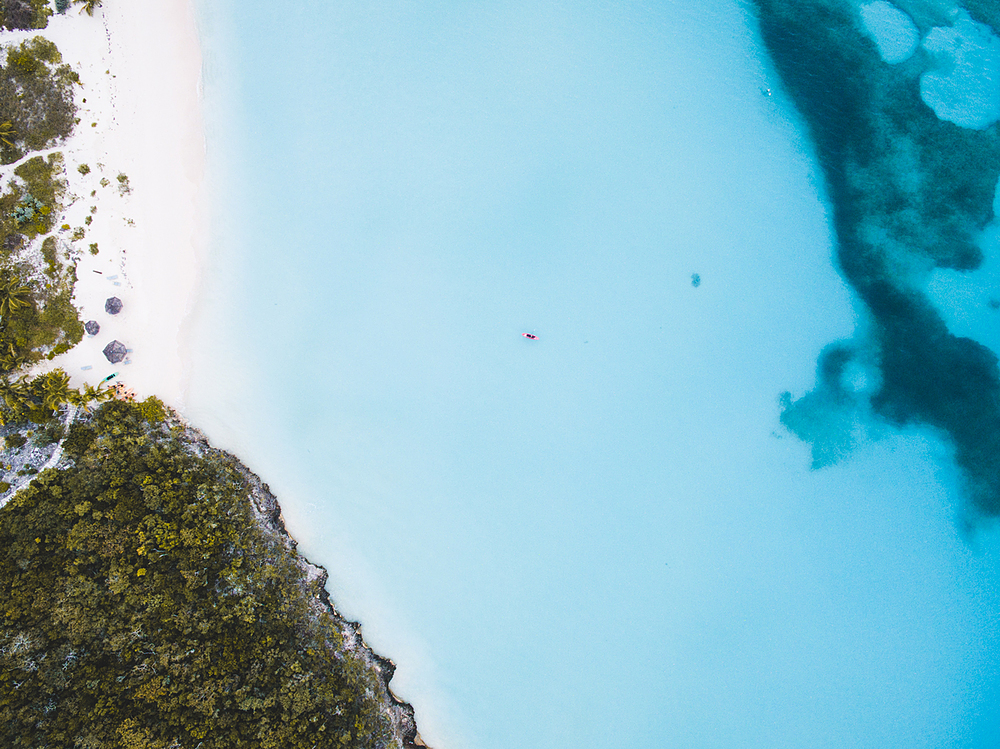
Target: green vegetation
x=88, y=6
x=36, y=98
x=38, y=400
x=41, y=323
x=148, y=595
x=32, y=202
x=36, y=321
x=42, y=184
x=24, y=14
x=146, y=605
x=14, y=295
x=37, y=317
x=30, y=212
x=52, y=265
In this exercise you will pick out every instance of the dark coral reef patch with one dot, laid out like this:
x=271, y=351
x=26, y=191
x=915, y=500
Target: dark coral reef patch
x=909, y=193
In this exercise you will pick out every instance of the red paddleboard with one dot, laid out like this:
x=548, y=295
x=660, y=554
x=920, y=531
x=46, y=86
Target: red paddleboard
x=530, y=335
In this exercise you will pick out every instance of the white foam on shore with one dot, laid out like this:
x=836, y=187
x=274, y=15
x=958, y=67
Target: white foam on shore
x=140, y=70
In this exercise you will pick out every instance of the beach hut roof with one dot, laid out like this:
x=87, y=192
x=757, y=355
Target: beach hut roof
x=92, y=327
x=113, y=306
x=115, y=351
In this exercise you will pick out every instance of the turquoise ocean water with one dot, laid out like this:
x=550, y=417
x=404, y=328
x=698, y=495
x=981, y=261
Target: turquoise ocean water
x=603, y=537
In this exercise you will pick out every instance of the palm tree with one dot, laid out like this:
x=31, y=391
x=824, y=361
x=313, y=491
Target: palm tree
x=98, y=393
x=76, y=398
x=13, y=294
x=6, y=133
x=54, y=389
x=89, y=394
x=16, y=396
x=88, y=5
x=11, y=357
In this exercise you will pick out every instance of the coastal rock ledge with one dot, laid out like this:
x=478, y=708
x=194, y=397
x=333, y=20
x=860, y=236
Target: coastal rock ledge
x=268, y=512
x=153, y=597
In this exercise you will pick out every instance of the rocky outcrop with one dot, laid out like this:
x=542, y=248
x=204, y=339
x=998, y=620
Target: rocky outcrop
x=314, y=577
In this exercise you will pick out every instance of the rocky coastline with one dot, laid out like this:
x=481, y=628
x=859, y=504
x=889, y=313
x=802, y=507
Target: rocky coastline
x=41, y=416
x=213, y=628
x=268, y=513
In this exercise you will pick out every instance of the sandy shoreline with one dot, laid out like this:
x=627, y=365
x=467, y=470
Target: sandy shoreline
x=141, y=136
x=140, y=115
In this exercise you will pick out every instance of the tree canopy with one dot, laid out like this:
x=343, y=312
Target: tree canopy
x=146, y=604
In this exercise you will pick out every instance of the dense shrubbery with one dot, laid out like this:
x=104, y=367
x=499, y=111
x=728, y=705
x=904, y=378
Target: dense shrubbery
x=144, y=606
x=37, y=316
x=39, y=321
x=24, y=14
x=39, y=399
x=36, y=97
x=44, y=188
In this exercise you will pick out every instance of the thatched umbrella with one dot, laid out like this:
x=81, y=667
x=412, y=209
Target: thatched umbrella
x=115, y=351
x=92, y=327
x=113, y=306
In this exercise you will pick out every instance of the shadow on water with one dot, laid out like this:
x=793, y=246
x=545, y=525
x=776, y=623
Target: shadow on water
x=910, y=193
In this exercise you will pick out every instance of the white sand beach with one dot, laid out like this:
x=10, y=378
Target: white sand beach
x=140, y=116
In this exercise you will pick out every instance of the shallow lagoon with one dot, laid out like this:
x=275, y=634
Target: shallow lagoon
x=603, y=536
